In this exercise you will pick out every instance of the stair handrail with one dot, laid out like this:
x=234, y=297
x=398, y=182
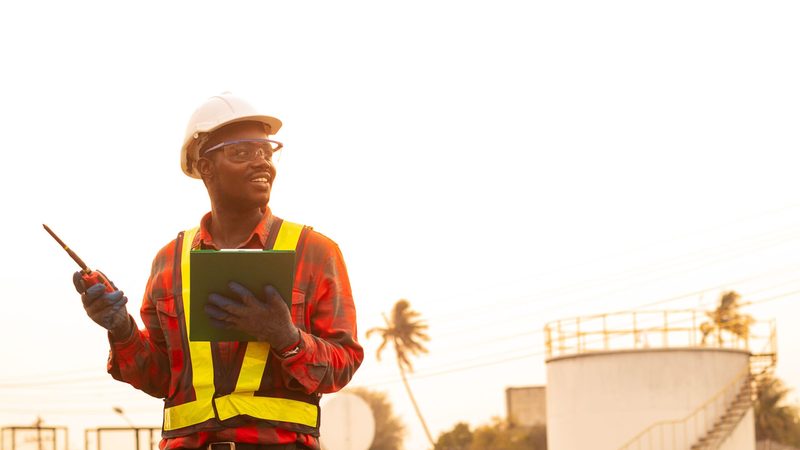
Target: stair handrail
x=727, y=394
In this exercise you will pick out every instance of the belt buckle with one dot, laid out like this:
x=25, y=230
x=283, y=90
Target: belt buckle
x=231, y=445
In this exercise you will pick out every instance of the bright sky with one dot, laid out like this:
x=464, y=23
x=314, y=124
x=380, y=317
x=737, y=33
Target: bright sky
x=498, y=164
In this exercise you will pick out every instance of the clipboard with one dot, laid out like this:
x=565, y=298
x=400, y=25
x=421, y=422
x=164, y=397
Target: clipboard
x=212, y=270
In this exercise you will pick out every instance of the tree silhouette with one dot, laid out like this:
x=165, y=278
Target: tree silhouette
x=498, y=434
x=727, y=318
x=405, y=331
x=389, y=429
x=775, y=420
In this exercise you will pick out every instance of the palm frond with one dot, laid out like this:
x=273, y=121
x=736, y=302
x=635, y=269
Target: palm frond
x=377, y=330
x=380, y=349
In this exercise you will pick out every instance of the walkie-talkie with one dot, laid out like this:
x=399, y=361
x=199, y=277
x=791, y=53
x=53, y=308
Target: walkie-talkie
x=90, y=277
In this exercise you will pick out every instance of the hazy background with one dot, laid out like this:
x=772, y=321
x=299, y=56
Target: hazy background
x=499, y=164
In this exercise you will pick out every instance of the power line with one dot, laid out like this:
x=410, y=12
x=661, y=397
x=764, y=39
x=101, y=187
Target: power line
x=533, y=332
x=729, y=253
x=82, y=380
x=86, y=393
x=70, y=411
x=539, y=330
x=456, y=369
x=482, y=363
x=766, y=300
x=54, y=374
x=538, y=352
x=53, y=382
x=447, y=370
x=720, y=286
x=518, y=317
x=613, y=255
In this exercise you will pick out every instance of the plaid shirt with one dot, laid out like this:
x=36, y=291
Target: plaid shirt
x=153, y=359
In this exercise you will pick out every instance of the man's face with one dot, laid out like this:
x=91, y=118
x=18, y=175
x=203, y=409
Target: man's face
x=237, y=184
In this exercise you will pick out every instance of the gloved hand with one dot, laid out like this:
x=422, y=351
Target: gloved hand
x=107, y=309
x=269, y=321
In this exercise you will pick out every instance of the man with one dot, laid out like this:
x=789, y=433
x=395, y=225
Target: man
x=242, y=395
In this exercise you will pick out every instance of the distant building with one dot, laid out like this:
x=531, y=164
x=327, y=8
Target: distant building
x=525, y=406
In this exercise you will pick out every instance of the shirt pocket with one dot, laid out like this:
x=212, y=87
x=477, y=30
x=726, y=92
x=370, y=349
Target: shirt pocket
x=299, y=309
x=166, y=306
x=169, y=320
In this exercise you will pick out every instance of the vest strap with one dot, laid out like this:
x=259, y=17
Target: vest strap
x=200, y=409
x=243, y=400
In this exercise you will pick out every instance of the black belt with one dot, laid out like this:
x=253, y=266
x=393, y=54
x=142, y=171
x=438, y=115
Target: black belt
x=237, y=446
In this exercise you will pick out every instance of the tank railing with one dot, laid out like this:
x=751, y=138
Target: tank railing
x=681, y=434
x=769, y=348
x=762, y=364
x=650, y=329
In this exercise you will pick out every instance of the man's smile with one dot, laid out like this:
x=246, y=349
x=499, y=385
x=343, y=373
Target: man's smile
x=261, y=178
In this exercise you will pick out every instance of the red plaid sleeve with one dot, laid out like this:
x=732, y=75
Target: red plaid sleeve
x=142, y=360
x=329, y=350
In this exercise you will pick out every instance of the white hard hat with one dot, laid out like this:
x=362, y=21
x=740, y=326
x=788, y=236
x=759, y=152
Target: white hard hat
x=215, y=113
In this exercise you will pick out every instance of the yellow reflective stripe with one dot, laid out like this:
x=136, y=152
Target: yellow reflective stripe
x=268, y=408
x=253, y=365
x=242, y=401
x=200, y=409
x=288, y=236
x=255, y=358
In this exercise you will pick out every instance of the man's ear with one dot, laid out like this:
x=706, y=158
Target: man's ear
x=205, y=168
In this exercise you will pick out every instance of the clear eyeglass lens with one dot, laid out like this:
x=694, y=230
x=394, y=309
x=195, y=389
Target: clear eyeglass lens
x=248, y=151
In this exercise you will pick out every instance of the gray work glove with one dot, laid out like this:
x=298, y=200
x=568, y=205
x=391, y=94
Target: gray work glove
x=269, y=320
x=107, y=309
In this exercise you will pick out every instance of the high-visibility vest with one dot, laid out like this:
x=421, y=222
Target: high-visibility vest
x=242, y=401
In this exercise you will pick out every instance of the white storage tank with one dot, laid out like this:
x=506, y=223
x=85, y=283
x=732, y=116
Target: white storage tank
x=647, y=381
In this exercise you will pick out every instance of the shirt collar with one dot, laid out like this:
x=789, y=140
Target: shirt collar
x=258, y=237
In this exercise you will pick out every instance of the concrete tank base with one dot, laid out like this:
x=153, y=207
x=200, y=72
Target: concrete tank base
x=601, y=400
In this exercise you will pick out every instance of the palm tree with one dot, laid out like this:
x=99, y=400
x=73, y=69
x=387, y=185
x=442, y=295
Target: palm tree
x=405, y=331
x=727, y=318
x=775, y=419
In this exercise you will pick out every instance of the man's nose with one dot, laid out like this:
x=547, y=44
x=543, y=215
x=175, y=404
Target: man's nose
x=263, y=159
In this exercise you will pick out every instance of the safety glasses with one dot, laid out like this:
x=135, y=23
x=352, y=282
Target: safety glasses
x=246, y=150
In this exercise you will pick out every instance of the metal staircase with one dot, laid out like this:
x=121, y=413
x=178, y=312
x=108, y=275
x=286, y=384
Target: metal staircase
x=761, y=368
x=725, y=425
x=708, y=427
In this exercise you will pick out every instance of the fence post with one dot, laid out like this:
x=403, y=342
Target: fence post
x=560, y=338
x=548, y=344
x=674, y=436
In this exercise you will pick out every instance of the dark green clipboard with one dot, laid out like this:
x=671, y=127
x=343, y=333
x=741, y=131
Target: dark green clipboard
x=211, y=270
